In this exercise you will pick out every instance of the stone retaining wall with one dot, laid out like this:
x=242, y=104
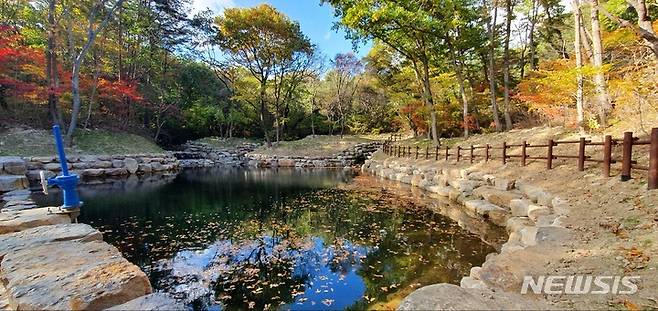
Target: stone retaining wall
x=532, y=217
x=347, y=158
x=12, y=174
x=98, y=165
x=198, y=154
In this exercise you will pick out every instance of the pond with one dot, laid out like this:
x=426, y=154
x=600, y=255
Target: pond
x=279, y=239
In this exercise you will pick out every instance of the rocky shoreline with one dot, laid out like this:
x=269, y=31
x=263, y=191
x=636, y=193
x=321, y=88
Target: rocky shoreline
x=197, y=154
x=345, y=159
x=531, y=216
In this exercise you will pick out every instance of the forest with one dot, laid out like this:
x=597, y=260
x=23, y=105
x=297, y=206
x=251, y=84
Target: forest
x=437, y=68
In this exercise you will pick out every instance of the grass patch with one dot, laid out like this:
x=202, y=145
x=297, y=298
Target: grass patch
x=35, y=142
x=318, y=146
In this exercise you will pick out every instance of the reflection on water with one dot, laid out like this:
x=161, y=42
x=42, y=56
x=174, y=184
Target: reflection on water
x=290, y=239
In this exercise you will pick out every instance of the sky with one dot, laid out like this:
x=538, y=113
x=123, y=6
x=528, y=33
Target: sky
x=315, y=20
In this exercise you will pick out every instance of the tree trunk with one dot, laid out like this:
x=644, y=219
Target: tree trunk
x=506, y=69
x=77, y=63
x=263, y=111
x=599, y=78
x=644, y=21
x=424, y=76
x=313, y=116
x=51, y=67
x=579, y=63
x=492, y=66
x=462, y=89
x=531, y=38
x=94, y=90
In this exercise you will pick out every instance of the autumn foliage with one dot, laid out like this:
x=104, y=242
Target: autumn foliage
x=21, y=67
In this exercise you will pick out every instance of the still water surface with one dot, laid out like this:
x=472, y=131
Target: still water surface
x=279, y=239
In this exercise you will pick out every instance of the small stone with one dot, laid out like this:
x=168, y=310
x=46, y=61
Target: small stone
x=534, y=211
x=93, y=172
x=519, y=207
x=145, y=168
x=440, y=190
x=504, y=184
x=103, y=164
x=53, y=167
x=81, y=165
x=117, y=163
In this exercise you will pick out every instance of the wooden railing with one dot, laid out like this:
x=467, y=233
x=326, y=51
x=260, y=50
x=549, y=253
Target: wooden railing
x=487, y=152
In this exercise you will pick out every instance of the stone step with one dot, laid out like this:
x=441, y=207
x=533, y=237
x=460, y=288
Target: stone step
x=71, y=275
x=14, y=221
x=28, y=238
x=13, y=182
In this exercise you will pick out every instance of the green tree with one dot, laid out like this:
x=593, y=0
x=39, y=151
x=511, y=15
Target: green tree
x=260, y=39
x=413, y=28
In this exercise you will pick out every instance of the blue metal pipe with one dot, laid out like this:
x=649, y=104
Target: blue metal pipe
x=60, y=150
x=67, y=182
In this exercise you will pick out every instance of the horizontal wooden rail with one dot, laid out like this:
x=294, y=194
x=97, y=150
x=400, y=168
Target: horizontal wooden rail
x=501, y=153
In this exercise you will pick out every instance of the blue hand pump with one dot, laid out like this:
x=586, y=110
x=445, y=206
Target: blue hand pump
x=67, y=182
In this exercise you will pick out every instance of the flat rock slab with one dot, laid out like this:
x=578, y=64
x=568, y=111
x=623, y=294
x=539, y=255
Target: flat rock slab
x=16, y=195
x=13, y=182
x=451, y=297
x=47, y=234
x=14, y=221
x=156, y=301
x=71, y=276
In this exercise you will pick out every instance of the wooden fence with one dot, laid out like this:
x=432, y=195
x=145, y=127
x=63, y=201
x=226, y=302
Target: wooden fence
x=488, y=152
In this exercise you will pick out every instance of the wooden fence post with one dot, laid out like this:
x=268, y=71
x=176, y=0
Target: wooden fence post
x=459, y=150
x=581, y=154
x=436, y=154
x=504, y=152
x=607, y=155
x=447, y=153
x=427, y=151
x=626, y=156
x=417, y=152
x=472, y=150
x=549, y=155
x=653, y=160
x=409, y=152
x=486, y=153
x=524, y=154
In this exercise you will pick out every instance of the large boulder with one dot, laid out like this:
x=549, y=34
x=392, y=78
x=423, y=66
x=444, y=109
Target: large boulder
x=71, y=276
x=451, y=297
